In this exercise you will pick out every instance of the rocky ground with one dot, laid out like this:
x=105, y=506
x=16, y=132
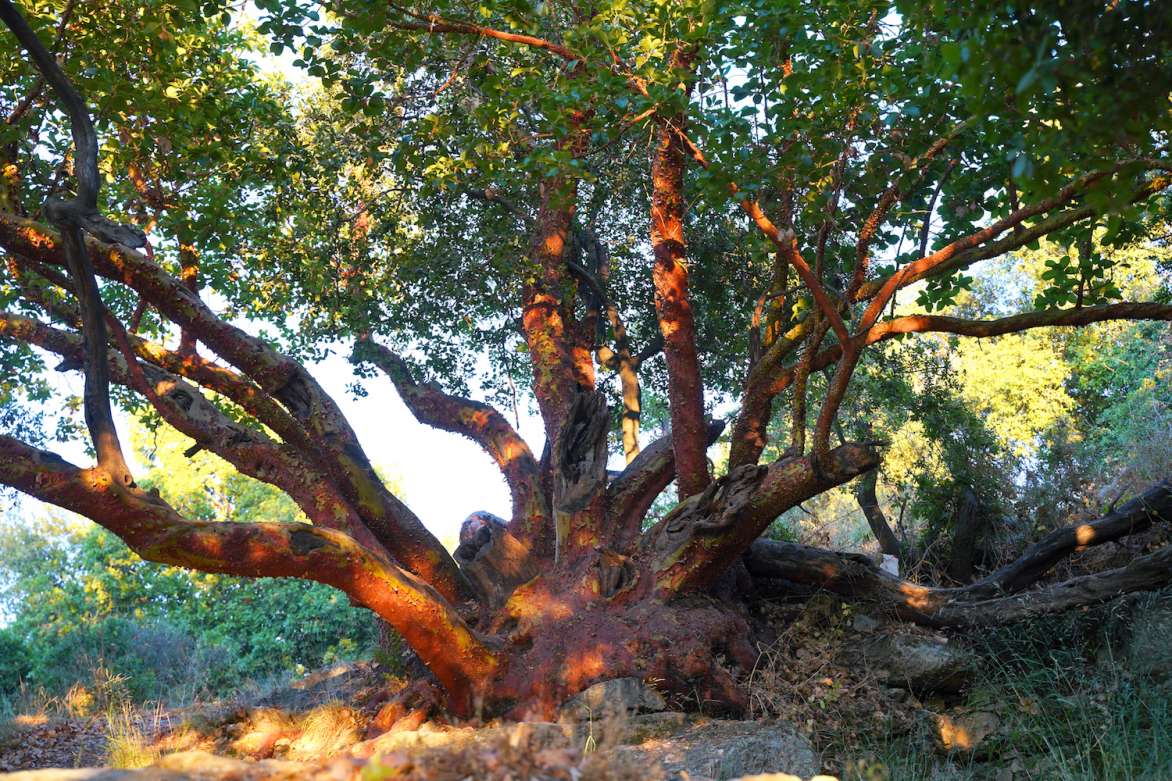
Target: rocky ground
x=832, y=688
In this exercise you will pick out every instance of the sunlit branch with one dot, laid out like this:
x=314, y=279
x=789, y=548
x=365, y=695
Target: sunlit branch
x=433, y=23
x=184, y=408
x=476, y=420
x=1020, y=237
x=157, y=533
x=784, y=241
x=673, y=304
x=747, y=450
x=922, y=267
x=889, y=198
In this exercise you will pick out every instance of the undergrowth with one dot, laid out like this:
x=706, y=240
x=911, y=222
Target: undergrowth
x=1069, y=709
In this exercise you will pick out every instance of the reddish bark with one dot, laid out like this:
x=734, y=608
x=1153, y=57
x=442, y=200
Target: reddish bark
x=542, y=318
x=476, y=420
x=605, y=600
x=673, y=307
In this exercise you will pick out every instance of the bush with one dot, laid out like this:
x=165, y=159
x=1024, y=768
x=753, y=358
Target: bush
x=15, y=661
x=166, y=633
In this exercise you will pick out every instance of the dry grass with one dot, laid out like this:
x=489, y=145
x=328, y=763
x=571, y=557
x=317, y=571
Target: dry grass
x=325, y=731
x=128, y=744
x=804, y=677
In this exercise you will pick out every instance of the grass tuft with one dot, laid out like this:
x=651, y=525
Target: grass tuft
x=127, y=745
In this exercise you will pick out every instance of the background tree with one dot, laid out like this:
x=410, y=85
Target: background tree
x=565, y=190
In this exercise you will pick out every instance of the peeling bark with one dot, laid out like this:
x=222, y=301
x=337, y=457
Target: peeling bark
x=579, y=474
x=631, y=494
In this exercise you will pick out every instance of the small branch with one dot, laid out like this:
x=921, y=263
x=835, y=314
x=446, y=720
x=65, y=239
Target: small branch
x=926, y=231
x=784, y=241
x=890, y=197
x=433, y=23
x=941, y=258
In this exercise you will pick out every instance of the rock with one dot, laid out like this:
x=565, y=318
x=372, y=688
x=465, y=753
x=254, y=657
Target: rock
x=728, y=749
x=864, y=623
x=922, y=663
x=965, y=730
x=646, y=726
x=616, y=697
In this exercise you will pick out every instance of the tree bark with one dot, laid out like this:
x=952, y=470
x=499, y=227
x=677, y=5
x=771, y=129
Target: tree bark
x=869, y=504
x=674, y=309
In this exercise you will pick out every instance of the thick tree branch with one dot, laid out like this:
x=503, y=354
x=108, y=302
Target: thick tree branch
x=480, y=422
x=335, y=446
x=631, y=494
x=673, y=304
x=72, y=217
x=156, y=532
x=777, y=566
x=1154, y=504
x=991, y=600
x=183, y=407
x=579, y=477
x=700, y=539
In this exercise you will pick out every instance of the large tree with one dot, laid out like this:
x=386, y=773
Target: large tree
x=564, y=192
